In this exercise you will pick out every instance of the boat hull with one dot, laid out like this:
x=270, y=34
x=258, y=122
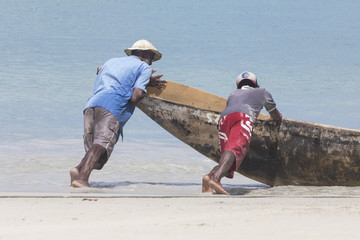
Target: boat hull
x=287, y=153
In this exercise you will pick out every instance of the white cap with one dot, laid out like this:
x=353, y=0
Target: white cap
x=246, y=75
x=144, y=45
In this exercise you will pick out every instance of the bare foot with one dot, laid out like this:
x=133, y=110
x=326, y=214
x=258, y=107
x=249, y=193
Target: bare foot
x=79, y=184
x=205, y=184
x=217, y=187
x=74, y=174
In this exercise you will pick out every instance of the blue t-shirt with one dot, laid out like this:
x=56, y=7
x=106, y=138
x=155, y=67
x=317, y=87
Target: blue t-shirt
x=114, y=86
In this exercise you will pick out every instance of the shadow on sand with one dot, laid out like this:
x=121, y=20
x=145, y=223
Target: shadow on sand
x=232, y=189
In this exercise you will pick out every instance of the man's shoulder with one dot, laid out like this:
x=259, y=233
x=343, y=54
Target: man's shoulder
x=264, y=90
x=250, y=90
x=127, y=62
x=122, y=59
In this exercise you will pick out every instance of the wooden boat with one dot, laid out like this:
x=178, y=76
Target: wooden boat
x=287, y=153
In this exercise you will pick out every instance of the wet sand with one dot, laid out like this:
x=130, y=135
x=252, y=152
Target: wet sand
x=99, y=216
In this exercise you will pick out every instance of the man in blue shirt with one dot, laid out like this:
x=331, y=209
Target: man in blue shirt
x=120, y=84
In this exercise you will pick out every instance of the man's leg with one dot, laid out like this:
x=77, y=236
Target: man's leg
x=212, y=180
x=100, y=129
x=205, y=184
x=87, y=164
x=89, y=125
x=74, y=172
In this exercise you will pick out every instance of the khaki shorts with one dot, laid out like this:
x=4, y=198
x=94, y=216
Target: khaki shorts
x=102, y=128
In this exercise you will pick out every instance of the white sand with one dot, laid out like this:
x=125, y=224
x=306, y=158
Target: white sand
x=198, y=217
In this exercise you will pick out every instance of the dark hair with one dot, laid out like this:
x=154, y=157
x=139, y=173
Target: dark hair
x=247, y=82
x=142, y=53
x=146, y=54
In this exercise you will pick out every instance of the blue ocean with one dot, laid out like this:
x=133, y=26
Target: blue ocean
x=306, y=53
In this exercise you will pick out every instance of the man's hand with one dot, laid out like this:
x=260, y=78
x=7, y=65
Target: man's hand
x=156, y=80
x=98, y=70
x=275, y=116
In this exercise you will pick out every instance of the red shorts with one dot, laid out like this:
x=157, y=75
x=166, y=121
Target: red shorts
x=235, y=135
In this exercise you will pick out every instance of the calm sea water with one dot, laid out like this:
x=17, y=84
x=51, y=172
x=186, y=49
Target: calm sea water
x=306, y=53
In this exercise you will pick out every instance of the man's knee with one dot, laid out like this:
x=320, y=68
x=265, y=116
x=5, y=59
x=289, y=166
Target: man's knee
x=101, y=153
x=97, y=149
x=100, y=164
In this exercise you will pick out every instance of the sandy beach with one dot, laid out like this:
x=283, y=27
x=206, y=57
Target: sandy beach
x=76, y=216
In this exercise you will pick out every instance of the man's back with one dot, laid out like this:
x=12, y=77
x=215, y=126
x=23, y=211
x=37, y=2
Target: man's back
x=114, y=85
x=249, y=101
x=119, y=75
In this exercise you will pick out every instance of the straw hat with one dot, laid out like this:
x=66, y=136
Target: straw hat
x=144, y=45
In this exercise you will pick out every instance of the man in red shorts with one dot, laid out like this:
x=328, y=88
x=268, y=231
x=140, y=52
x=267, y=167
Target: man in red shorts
x=235, y=128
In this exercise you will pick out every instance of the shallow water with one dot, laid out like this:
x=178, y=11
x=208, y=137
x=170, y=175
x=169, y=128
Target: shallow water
x=160, y=168
x=151, y=172
x=305, y=53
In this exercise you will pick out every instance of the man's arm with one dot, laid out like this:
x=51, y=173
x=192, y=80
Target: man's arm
x=155, y=81
x=137, y=95
x=275, y=115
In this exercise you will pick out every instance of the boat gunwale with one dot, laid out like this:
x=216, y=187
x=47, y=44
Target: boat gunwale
x=262, y=117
